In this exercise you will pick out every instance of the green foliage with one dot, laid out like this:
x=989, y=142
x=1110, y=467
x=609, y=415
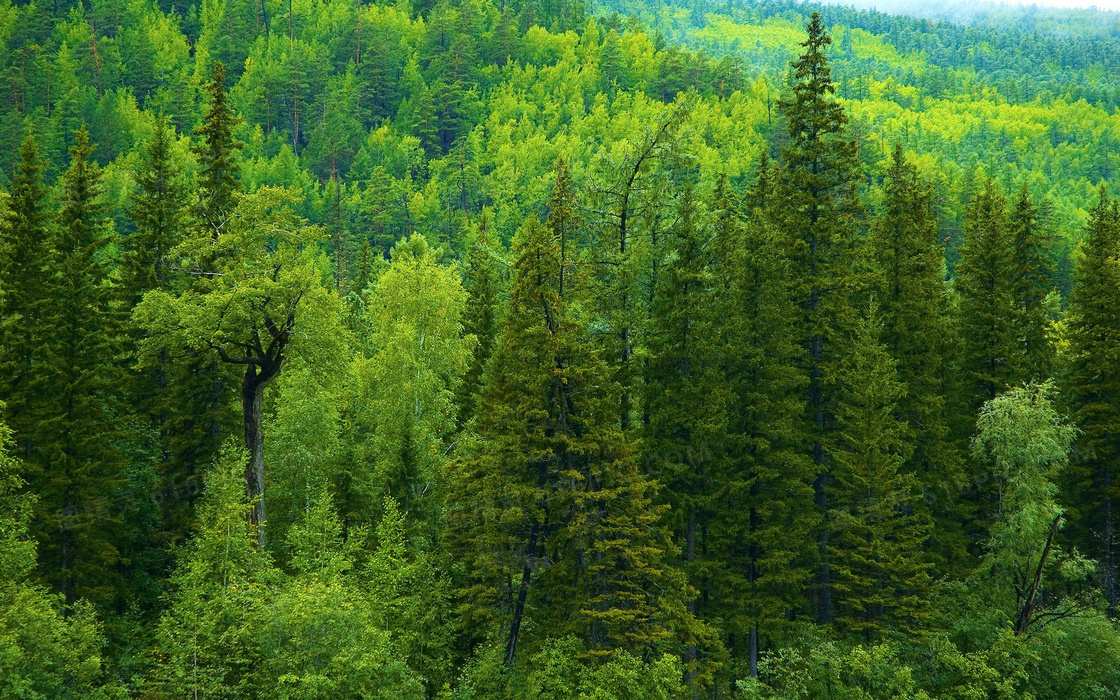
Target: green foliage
x=914, y=309
x=414, y=356
x=1093, y=387
x=672, y=461
x=875, y=551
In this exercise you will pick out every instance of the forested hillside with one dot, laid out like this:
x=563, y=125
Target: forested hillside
x=467, y=350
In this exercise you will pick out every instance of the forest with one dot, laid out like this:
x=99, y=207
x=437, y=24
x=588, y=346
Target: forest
x=539, y=349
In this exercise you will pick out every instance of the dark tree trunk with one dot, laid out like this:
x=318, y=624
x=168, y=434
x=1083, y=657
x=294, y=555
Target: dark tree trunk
x=257, y=377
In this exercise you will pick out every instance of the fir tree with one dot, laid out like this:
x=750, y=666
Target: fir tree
x=78, y=469
x=25, y=263
x=819, y=208
x=480, y=315
x=985, y=285
x=47, y=649
x=1094, y=387
x=766, y=514
x=158, y=207
x=1032, y=279
x=686, y=397
x=913, y=307
x=876, y=551
x=218, y=186
x=552, y=479
x=989, y=348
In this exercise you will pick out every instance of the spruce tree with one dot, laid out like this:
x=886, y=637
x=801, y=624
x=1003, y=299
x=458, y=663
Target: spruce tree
x=989, y=347
x=1094, y=387
x=1032, y=279
x=77, y=467
x=25, y=263
x=551, y=519
x=218, y=186
x=913, y=303
x=984, y=282
x=876, y=552
x=158, y=207
x=819, y=211
x=686, y=395
x=480, y=317
x=765, y=514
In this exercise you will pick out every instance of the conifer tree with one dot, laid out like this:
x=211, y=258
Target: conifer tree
x=819, y=212
x=1094, y=387
x=686, y=397
x=159, y=208
x=767, y=516
x=551, y=520
x=985, y=285
x=1032, y=279
x=77, y=466
x=877, y=547
x=218, y=186
x=202, y=389
x=913, y=307
x=25, y=262
x=480, y=317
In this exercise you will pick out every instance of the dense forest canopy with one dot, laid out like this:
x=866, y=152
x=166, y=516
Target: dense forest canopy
x=548, y=350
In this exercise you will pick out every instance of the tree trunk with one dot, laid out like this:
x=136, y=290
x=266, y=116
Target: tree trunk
x=252, y=394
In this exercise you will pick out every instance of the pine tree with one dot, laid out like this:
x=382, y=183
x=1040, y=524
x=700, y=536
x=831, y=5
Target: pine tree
x=819, y=210
x=480, y=315
x=25, y=261
x=159, y=207
x=1032, y=279
x=913, y=303
x=686, y=397
x=78, y=469
x=766, y=514
x=1094, y=387
x=552, y=480
x=876, y=551
x=985, y=285
x=218, y=186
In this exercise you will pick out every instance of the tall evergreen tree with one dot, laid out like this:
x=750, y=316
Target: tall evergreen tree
x=766, y=514
x=985, y=285
x=158, y=207
x=686, y=395
x=218, y=186
x=1032, y=279
x=913, y=303
x=1094, y=387
x=989, y=347
x=203, y=387
x=25, y=262
x=552, y=520
x=77, y=466
x=819, y=211
x=877, y=548
x=480, y=316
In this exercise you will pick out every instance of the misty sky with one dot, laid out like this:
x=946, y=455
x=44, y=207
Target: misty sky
x=931, y=6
